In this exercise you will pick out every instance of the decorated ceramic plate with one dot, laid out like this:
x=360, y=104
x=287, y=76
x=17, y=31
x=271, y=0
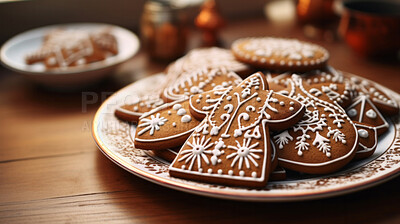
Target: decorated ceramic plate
x=13, y=54
x=115, y=139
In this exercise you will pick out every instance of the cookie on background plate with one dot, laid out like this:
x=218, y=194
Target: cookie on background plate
x=198, y=81
x=280, y=54
x=67, y=48
x=232, y=145
x=212, y=57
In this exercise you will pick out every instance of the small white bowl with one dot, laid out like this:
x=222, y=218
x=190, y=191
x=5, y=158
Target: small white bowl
x=13, y=52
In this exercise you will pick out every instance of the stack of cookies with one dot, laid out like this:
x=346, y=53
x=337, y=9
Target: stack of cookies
x=242, y=116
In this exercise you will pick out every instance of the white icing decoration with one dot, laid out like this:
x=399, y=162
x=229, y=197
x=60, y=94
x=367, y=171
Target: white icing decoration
x=256, y=133
x=283, y=139
x=197, y=152
x=194, y=90
x=299, y=153
x=217, y=152
x=214, y=131
x=177, y=107
x=186, y=119
x=371, y=114
x=229, y=108
x=244, y=153
x=322, y=144
x=151, y=124
x=181, y=112
x=174, y=124
x=316, y=92
x=337, y=135
x=363, y=133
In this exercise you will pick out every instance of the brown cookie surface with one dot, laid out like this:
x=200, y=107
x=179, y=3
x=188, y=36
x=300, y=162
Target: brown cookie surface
x=280, y=54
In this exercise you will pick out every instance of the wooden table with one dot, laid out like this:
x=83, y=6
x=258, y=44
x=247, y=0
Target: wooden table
x=52, y=172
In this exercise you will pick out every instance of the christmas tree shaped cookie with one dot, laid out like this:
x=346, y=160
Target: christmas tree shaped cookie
x=232, y=145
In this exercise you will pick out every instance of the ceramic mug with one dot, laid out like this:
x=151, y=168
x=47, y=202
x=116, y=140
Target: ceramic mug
x=371, y=27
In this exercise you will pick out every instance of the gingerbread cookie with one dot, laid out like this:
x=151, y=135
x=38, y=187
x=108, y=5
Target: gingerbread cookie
x=165, y=127
x=280, y=54
x=325, y=75
x=132, y=111
x=364, y=111
x=379, y=98
x=232, y=146
x=199, y=81
x=323, y=141
x=66, y=48
x=278, y=173
x=328, y=85
x=318, y=76
x=212, y=57
x=368, y=136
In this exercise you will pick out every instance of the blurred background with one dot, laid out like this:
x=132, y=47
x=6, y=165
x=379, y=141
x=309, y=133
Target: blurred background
x=18, y=16
x=371, y=28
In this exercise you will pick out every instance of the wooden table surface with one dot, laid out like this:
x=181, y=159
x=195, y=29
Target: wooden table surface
x=52, y=172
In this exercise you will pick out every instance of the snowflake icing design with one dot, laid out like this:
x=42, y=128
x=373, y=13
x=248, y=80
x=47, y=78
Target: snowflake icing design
x=152, y=124
x=245, y=152
x=322, y=144
x=337, y=135
x=197, y=152
x=283, y=139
